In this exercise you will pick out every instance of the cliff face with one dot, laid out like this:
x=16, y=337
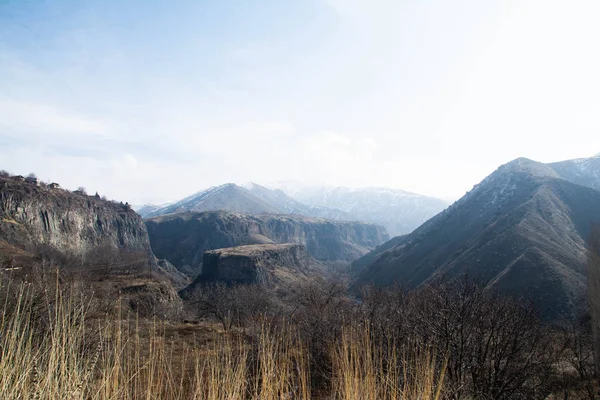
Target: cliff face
x=31, y=215
x=263, y=264
x=183, y=238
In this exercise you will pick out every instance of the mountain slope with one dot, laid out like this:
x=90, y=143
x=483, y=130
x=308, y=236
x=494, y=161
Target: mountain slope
x=583, y=171
x=522, y=228
x=288, y=205
x=252, y=199
x=183, y=238
x=398, y=211
x=225, y=197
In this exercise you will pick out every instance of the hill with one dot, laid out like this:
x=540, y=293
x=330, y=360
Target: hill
x=523, y=229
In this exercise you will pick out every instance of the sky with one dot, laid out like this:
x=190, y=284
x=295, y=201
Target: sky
x=149, y=101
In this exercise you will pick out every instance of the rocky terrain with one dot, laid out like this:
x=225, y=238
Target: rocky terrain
x=39, y=218
x=268, y=265
x=184, y=237
x=31, y=215
x=103, y=245
x=523, y=228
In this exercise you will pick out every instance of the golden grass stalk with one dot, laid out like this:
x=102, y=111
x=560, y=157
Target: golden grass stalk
x=363, y=370
x=123, y=358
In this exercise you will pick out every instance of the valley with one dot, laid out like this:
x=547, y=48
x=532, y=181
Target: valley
x=235, y=262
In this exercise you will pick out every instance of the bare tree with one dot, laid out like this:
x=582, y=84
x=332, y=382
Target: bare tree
x=4, y=173
x=496, y=346
x=238, y=305
x=577, y=350
x=594, y=291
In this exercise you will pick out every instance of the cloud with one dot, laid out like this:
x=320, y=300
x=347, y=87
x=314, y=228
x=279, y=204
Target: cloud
x=39, y=121
x=425, y=96
x=337, y=158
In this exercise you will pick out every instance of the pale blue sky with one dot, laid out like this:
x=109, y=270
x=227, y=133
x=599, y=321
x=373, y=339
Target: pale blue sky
x=149, y=101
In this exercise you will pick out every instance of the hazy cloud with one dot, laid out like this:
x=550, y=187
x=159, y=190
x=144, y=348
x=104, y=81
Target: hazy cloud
x=152, y=102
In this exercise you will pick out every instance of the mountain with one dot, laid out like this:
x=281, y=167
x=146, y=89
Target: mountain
x=398, y=211
x=250, y=199
x=183, y=238
x=147, y=209
x=523, y=229
x=583, y=171
x=230, y=197
x=288, y=205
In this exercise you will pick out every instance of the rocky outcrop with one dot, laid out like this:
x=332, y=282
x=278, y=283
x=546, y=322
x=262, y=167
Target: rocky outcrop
x=32, y=215
x=264, y=264
x=183, y=238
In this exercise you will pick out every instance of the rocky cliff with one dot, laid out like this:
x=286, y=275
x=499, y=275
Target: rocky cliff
x=183, y=238
x=264, y=264
x=32, y=215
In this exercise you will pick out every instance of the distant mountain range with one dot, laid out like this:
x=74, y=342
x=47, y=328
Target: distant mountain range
x=251, y=199
x=523, y=229
x=583, y=171
x=398, y=211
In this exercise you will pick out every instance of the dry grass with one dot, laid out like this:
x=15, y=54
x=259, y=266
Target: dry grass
x=363, y=370
x=71, y=357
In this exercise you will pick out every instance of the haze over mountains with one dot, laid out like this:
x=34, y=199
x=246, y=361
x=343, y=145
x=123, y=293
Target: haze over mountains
x=398, y=211
x=524, y=229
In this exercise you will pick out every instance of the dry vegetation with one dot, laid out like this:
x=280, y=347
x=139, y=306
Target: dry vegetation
x=67, y=335
x=50, y=349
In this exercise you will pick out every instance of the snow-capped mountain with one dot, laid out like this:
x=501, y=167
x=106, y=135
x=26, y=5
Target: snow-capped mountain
x=400, y=212
x=148, y=208
x=249, y=199
x=583, y=171
x=229, y=197
x=289, y=205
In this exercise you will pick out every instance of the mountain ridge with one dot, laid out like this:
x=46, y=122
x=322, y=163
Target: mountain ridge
x=399, y=211
x=523, y=228
x=183, y=238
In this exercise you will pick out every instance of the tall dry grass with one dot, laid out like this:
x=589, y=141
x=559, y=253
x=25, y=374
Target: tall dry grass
x=365, y=370
x=62, y=354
